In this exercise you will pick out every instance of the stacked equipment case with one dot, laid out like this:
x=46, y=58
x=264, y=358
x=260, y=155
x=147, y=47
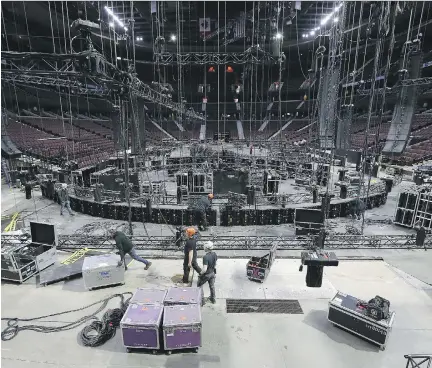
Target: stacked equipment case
x=182, y=327
x=186, y=295
x=182, y=319
x=140, y=327
x=149, y=296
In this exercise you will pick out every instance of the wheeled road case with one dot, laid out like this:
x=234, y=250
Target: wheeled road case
x=182, y=327
x=148, y=296
x=345, y=312
x=102, y=270
x=140, y=327
x=258, y=268
x=183, y=295
x=19, y=262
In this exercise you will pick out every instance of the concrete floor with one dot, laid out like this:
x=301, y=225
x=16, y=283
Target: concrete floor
x=234, y=340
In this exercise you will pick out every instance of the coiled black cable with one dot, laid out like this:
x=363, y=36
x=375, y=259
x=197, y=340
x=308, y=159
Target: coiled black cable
x=105, y=328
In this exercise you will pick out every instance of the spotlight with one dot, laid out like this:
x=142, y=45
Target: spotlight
x=111, y=24
x=278, y=36
x=335, y=20
x=173, y=37
x=312, y=33
x=325, y=20
x=118, y=58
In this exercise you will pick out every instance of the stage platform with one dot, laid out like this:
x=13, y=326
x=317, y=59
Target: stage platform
x=235, y=340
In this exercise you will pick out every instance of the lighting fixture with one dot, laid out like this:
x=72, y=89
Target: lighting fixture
x=312, y=33
x=278, y=36
x=139, y=38
x=115, y=17
x=335, y=20
x=325, y=20
x=111, y=24
x=173, y=37
x=118, y=58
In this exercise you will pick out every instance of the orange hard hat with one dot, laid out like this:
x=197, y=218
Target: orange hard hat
x=211, y=196
x=190, y=231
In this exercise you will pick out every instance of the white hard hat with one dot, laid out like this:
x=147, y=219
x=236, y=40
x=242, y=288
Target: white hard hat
x=208, y=245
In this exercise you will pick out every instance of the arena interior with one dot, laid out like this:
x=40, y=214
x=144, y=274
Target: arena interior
x=290, y=140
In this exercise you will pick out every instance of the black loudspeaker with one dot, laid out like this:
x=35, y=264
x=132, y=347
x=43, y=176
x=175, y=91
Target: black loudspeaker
x=28, y=191
x=149, y=209
x=343, y=191
x=314, y=276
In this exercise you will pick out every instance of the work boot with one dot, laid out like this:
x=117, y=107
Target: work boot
x=147, y=266
x=212, y=300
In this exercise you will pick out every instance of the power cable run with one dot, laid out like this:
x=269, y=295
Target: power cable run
x=97, y=333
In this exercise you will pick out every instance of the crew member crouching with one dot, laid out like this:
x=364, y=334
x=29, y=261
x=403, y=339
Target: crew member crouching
x=201, y=208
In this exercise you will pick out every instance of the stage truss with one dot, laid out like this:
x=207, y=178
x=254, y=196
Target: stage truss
x=168, y=243
x=75, y=73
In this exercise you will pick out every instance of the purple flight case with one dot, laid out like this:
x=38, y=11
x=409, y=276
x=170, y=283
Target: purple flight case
x=183, y=295
x=182, y=327
x=148, y=296
x=140, y=326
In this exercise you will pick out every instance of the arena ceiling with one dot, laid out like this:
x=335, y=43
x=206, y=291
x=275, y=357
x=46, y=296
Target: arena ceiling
x=45, y=27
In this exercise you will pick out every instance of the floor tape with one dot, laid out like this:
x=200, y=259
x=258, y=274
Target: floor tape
x=75, y=256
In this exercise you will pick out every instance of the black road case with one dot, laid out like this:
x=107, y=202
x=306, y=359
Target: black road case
x=345, y=312
x=20, y=261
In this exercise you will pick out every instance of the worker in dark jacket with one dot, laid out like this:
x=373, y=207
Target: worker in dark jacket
x=201, y=207
x=190, y=255
x=64, y=200
x=208, y=273
x=359, y=208
x=125, y=246
x=420, y=234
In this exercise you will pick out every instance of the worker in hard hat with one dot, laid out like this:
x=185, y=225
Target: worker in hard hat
x=64, y=199
x=208, y=273
x=190, y=255
x=200, y=208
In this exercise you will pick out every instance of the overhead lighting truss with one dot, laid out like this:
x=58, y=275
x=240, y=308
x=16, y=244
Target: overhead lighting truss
x=250, y=56
x=85, y=73
x=230, y=24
